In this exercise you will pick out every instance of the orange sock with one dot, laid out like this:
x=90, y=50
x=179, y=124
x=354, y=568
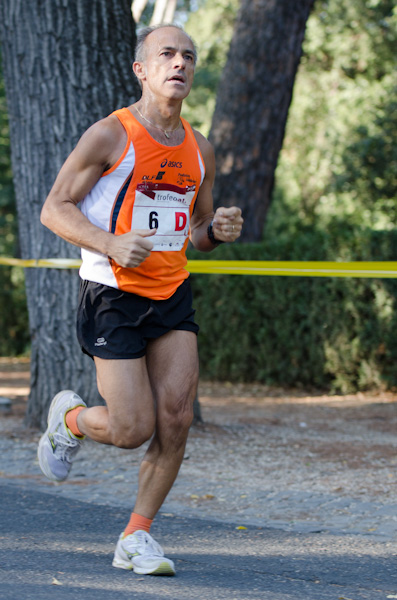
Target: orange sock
x=71, y=420
x=137, y=522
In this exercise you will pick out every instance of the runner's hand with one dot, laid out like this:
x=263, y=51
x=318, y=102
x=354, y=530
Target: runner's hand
x=131, y=249
x=227, y=224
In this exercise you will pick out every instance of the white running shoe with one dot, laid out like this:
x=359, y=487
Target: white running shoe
x=142, y=554
x=58, y=446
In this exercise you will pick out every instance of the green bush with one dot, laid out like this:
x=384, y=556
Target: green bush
x=14, y=322
x=335, y=334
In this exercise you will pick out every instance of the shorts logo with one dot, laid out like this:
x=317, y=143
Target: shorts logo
x=100, y=342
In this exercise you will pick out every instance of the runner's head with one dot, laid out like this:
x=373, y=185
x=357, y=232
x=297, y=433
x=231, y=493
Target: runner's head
x=144, y=33
x=168, y=54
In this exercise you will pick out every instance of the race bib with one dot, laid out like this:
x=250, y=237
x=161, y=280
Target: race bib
x=166, y=208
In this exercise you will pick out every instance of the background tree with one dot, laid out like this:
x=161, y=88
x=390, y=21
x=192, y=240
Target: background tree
x=338, y=165
x=252, y=105
x=211, y=26
x=334, y=199
x=137, y=8
x=163, y=11
x=65, y=66
x=154, y=12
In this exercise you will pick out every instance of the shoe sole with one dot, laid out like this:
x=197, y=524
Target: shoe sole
x=163, y=568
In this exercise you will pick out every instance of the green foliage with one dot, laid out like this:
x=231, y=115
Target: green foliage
x=333, y=200
x=338, y=160
x=335, y=184
x=330, y=333
x=370, y=162
x=14, y=327
x=335, y=189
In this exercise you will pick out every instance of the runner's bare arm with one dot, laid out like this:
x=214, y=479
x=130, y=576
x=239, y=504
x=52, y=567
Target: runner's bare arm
x=227, y=222
x=98, y=149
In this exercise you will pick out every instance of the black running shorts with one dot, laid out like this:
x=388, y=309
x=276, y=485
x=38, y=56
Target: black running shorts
x=113, y=324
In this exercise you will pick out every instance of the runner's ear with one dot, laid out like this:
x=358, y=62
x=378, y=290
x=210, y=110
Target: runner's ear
x=139, y=70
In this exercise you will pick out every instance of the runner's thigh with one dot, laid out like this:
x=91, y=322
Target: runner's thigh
x=172, y=362
x=125, y=386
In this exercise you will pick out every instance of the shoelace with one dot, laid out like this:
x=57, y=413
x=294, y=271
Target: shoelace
x=146, y=544
x=65, y=447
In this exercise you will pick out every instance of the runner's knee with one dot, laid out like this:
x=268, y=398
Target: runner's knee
x=177, y=416
x=131, y=435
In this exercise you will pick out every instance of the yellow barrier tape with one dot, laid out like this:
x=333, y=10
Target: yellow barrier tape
x=377, y=269
x=51, y=263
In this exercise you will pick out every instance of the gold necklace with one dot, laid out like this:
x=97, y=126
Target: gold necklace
x=166, y=133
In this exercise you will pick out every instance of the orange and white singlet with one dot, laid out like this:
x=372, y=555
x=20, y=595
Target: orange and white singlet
x=150, y=186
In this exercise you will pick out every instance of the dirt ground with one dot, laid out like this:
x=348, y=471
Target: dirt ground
x=359, y=416
x=261, y=452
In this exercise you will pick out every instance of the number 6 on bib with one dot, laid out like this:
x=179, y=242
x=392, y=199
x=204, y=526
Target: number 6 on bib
x=165, y=208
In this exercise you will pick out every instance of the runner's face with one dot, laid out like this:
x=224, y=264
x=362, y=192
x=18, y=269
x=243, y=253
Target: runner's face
x=168, y=68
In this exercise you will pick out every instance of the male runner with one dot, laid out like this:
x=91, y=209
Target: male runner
x=144, y=181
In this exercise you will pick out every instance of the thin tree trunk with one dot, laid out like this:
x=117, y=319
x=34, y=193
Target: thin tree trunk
x=252, y=105
x=170, y=11
x=66, y=64
x=159, y=11
x=137, y=8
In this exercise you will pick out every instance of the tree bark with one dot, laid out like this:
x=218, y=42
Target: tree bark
x=252, y=105
x=66, y=64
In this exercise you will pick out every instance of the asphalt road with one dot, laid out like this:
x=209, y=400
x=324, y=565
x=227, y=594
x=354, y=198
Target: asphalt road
x=57, y=548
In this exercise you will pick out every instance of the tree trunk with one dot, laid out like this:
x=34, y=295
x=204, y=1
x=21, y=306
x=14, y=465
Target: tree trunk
x=252, y=104
x=137, y=8
x=158, y=12
x=66, y=64
x=170, y=11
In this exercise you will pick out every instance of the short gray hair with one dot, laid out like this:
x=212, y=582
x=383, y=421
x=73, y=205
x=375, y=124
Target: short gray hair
x=146, y=31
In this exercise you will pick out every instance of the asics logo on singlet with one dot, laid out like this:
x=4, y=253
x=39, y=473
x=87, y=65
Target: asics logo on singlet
x=171, y=163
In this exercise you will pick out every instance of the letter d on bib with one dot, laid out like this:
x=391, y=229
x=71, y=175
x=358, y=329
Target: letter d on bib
x=180, y=221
